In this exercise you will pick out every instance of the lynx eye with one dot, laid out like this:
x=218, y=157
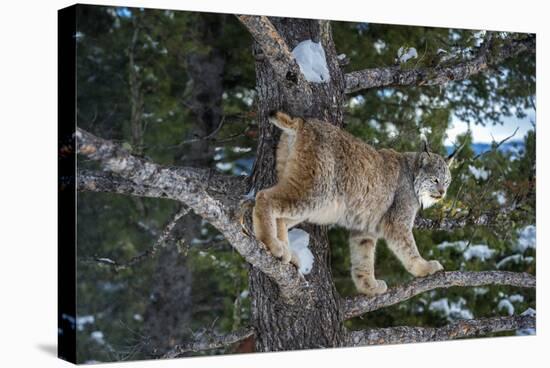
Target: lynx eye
x=435, y=180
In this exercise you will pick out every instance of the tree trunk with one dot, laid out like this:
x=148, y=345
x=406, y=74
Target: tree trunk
x=317, y=322
x=169, y=315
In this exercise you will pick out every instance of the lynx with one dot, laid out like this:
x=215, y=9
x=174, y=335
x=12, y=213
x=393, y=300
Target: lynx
x=327, y=176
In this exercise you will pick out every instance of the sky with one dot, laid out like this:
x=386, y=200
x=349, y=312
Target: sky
x=485, y=134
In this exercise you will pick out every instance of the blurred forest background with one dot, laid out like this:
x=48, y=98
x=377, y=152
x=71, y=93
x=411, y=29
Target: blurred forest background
x=179, y=87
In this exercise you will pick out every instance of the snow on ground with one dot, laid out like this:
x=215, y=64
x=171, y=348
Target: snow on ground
x=311, y=58
x=405, y=54
x=479, y=173
x=298, y=240
x=451, y=310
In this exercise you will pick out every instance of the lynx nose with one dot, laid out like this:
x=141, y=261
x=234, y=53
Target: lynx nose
x=441, y=191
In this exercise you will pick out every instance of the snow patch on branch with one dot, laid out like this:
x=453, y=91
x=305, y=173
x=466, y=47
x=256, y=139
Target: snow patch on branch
x=312, y=61
x=507, y=306
x=479, y=251
x=527, y=238
x=451, y=310
x=515, y=259
x=479, y=173
x=404, y=54
x=298, y=241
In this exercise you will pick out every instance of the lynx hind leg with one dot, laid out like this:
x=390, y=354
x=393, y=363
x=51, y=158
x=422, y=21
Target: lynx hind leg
x=362, y=249
x=264, y=219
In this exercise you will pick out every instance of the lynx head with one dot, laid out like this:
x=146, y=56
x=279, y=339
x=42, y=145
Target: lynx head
x=432, y=177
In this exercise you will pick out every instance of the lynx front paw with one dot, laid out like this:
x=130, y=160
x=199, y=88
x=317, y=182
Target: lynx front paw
x=279, y=250
x=378, y=287
x=368, y=286
x=426, y=268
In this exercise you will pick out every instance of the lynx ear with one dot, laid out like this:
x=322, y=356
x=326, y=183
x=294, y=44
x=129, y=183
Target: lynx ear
x=425, y=146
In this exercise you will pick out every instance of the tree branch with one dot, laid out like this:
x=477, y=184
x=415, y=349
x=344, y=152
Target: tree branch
x=361, y=304
x=117, y=266
x=280, y=57
x=207, y=342
x=456, y=330
x=214, y=197
x=451, y=223
x=439, y=75
x=101, y=181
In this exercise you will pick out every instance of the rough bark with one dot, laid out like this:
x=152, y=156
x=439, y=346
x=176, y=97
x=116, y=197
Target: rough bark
x=272, y=47
x=317, y=320
x=106, y=182
x=450, y=223
x=452, y=331
x=358, y=305
x=211, y=196
x=440, y=75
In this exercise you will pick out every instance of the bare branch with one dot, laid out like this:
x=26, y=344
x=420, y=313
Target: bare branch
x=210, y=136
x=395, y=76
x=207, y=342
x=456, y=330
x=358, y=305
x=214, y=197
x=279, y=56
x=118, y=266
x=496, y=145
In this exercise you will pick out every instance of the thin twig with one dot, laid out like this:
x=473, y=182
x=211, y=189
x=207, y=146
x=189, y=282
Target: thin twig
x=118, y=266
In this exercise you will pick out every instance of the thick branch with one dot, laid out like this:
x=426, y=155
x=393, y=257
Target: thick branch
x=358, y=305
x=279, y=56
x=395, y=76
x=450, y=223
x=456, y=330
x=212, y=196
x=208, y=342
x=101, y=181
